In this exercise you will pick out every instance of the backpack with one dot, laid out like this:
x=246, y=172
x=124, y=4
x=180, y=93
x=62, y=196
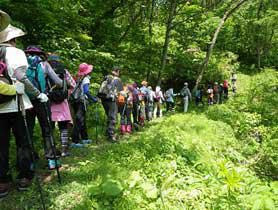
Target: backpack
x=167, y=94
x=76, y=95
x=35, y=74
x=157, y=96
x=107, y=88
x=225, y=84
x=4, y=78
x=58, y=94
x=121, y=100
x=184, y=92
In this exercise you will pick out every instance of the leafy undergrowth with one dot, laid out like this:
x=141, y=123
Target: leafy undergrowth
x=180, y=162
x=198, y=160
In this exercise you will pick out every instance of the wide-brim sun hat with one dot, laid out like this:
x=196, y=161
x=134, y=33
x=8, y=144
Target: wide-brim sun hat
x=84, y=69
x=4, y=20
x=145, y=83
x=10, y=33
x=32, y=49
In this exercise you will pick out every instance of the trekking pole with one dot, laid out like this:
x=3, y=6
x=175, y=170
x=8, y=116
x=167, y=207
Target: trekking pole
x=30, y=142
x=52, y=142
x=97, y=117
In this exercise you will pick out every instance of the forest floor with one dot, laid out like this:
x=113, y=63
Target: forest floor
x=180, y=161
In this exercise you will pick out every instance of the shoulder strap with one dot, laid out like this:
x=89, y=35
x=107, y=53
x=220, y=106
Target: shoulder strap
x=78, y=85
x=3, y=53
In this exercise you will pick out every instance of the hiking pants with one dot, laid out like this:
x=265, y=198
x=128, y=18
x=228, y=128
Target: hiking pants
x=170, y=106
x=185, y=103
x=158, y=107
x=125, y=112
x=226, y=92
x=14, y=121
x=135, y=113
x=111, y=110
x=79, y=128
x=147, y=109
x=150, y=113
x=41, y=111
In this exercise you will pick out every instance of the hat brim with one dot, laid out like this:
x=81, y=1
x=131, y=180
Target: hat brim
x=35, y=52
x=10, y=33
x=4, y=20
x=88, y=71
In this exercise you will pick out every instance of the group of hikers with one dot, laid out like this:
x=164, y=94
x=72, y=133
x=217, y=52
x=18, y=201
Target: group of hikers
x=35, y=85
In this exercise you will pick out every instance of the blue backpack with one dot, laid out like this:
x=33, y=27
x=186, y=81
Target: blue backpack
x=35, y=74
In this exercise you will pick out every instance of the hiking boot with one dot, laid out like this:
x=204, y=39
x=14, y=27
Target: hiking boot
x=4, y=189
x=23, y=184
x=86, y=141
x=113, y=139
x=65, y=151
x=123, y=129
x=77, y=145
x=128, y=129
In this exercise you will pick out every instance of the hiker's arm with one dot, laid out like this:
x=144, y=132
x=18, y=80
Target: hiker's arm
x=88, y=94
x=70, y=81
x=52, y=75
x=189, y=94
x=20, y=75
x=6, y=89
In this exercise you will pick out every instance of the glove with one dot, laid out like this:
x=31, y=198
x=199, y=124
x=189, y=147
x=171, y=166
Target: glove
x=19, y=87
x=43, y=98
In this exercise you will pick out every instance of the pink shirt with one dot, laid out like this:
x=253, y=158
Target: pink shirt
x=61, y=111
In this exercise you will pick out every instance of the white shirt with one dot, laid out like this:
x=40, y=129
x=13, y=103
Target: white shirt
x=14, y=59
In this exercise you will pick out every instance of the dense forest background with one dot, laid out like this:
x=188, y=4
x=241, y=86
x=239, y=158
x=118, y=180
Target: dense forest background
x=157, y=40
x=217, y=157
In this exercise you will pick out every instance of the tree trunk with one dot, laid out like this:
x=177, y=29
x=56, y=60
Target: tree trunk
x=173, y=7
x=150, y=41
x=204, y=64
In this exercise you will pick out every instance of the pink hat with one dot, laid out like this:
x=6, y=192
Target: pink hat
x=84, y=69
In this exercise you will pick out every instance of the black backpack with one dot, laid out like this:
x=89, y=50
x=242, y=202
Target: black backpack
x=76, y=95
x=4, y=78
x=58, y=94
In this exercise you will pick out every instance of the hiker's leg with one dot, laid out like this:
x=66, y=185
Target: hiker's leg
x=24, y=160
x=185, y=104
x=83, y=124
x=112, y=118
x=64, y=136
x=77, y=124
x=5, y=125
x=42, y=111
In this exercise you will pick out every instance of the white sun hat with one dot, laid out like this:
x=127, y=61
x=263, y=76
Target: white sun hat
x=10, y=33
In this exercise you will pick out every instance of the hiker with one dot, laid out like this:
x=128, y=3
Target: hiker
x=58, y=96
x=199, y=96
x=151, y=102
x=39, y=70
x=124, y=103
x=79, y=134
x=216, y=95
x=210, y=95
x=158, y=99
x=226, y=89
x=220, y=91
x=145, y=93
x=11, y=118
x=186, y=94
x=108, y=93
x=135, y=104
x=169, y=97
x=233, y=80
